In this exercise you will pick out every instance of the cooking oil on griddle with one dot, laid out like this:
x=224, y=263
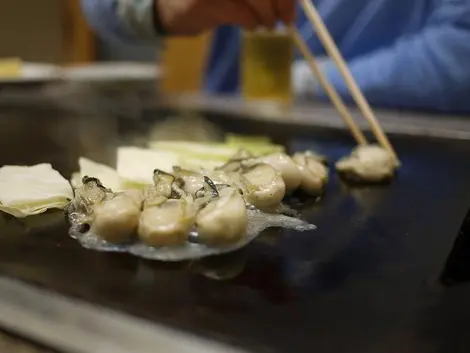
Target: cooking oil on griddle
x=266, y=66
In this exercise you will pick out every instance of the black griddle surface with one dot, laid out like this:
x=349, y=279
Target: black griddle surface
x=365, y=281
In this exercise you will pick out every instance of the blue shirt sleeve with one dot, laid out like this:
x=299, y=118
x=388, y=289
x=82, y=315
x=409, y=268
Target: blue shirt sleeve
x=223, y=64
x=129, y=22
x=429, y=70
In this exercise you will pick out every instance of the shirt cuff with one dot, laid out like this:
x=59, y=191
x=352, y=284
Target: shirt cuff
x=140, y=18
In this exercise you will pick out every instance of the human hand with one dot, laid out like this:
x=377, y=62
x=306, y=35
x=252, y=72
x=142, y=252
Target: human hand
x=185, y=17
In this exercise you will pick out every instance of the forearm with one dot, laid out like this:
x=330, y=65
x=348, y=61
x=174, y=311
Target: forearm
x=131, y=22
x=429, y=70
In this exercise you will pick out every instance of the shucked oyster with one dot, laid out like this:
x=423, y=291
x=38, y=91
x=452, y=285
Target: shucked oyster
x=281, y=162
x=191, y=182
x=264, y=187
x=89, y=194
x=168, y=212
x=177, y=218
x=223, y=218
x=218, y=213
x=113, y=216
x=313, y=171
x=167, y=223
x=261, y=184
x=116, y=219
x=305, y=171
x=370, y=164
x=286, y=166
x=167, y=185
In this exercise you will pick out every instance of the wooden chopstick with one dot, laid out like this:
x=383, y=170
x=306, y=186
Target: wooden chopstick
x=334, y=53
x=327, y=87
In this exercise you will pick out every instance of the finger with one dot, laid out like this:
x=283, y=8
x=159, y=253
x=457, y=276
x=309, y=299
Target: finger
x=264, y=10
x=235, y=12
x=286, y=10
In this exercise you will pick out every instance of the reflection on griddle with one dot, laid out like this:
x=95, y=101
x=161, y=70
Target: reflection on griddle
x=261, y=277
x=263, y=274
x=221, y=268
x=16, y=229
x=457, y=267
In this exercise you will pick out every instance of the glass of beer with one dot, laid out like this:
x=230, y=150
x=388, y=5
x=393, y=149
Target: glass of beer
x=180, y=74
x=266, y=66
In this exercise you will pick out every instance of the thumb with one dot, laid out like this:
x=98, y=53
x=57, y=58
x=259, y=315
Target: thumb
x=286, y=9
x=234, y=12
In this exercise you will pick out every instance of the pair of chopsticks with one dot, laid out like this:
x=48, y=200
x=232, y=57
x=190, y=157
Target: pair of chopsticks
x=332, y=50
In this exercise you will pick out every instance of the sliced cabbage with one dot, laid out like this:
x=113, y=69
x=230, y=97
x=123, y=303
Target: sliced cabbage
x=232, y=139
x=217, y=152
x=256, y=145
x=196, y=150
x=107, y=175
x=30, y=190
x=199, y=164
x=135, y=166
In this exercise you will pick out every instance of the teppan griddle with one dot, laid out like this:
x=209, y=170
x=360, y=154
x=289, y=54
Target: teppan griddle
x=373, y=278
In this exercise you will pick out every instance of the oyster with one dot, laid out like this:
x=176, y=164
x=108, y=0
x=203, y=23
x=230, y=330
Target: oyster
x=222, y=219
x=288, y=169
x=114, y=217
x=368, y=164
x=167, y=223
x=167, y=185
x=191, y=182
x=264, y=187
x=314, y=173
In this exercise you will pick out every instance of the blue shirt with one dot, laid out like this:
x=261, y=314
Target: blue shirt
x=403, y=53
